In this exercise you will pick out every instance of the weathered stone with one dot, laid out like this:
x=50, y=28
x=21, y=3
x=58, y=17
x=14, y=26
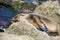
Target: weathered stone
x=49, y=9
x=25, y=28
x=4, y=36
x=55, y=37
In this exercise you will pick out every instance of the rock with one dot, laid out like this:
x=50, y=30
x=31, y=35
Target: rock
x=49, y=9
x=25, y=28
x=55, y=38
x=4, y=36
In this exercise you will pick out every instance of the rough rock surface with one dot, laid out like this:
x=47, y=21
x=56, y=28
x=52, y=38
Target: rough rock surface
x=49, y=9
x=55, y=38
x=4, y=36
x=25, y=28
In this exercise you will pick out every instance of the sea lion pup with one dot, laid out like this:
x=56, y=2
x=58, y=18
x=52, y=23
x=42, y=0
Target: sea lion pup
x=41, y=22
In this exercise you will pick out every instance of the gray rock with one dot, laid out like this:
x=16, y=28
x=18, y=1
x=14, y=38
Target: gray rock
x=25, y=28
x=49, y=9
x=55, y=37
x=4, y=36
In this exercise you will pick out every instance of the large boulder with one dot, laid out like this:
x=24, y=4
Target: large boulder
x=51, y=9
x=25, y=28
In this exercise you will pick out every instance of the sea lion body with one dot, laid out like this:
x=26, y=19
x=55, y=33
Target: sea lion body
x=42, y=22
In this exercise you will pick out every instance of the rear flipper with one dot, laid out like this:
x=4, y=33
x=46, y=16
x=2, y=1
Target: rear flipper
x=45, y=29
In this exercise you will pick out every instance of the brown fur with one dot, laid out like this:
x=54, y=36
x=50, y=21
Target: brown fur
x=36, y=20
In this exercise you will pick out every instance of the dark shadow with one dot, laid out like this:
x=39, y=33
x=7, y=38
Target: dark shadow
x=6, y=5
x=1, y=30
